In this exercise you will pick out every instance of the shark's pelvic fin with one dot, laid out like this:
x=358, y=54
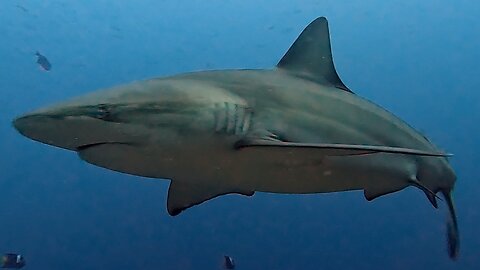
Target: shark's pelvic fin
x=334, y=149
x=183, y=195
x=310, y=56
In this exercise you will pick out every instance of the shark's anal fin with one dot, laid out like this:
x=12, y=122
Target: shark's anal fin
x=183, y=195
x=333, y=149
x=310, y=56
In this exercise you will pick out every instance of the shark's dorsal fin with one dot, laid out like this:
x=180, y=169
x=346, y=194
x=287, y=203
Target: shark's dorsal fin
x=310, y=56
x=183, y=195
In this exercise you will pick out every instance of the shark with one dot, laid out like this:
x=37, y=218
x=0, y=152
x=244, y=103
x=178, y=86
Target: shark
x=295, y=128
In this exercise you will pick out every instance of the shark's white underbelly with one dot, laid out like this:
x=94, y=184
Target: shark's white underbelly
x=272, y=170
x=316, y=173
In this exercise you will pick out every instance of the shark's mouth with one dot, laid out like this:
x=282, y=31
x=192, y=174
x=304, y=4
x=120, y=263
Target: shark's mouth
x=125, y=157
x=91, y=145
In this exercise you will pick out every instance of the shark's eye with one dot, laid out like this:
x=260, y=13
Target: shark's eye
x=102, y=112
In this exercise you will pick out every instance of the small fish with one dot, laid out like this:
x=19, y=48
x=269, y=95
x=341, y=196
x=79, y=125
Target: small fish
x=43, y=62
x=22, y=8
x=115, y=28
x=228, y=262
x=12, y=261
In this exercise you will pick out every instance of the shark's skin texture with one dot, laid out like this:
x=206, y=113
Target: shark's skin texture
x=295, y=128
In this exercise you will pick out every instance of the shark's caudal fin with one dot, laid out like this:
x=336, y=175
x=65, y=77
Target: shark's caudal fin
x=310, y=56
x=453, y=237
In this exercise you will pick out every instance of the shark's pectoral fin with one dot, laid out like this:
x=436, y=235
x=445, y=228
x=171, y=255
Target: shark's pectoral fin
x=183, y=195
x=374, y=192
x=332, y=149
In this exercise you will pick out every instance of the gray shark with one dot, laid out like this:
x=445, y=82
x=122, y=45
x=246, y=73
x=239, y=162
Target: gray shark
x=295, y=128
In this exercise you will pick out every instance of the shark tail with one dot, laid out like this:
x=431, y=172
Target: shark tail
x=453, y=239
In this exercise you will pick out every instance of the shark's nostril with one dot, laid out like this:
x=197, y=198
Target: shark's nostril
x=90, y=145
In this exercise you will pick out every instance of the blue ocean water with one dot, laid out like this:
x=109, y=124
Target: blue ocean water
x=418, y=59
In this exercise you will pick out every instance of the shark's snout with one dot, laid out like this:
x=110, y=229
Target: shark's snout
x=46, y=129
x=29, y=125
x=21, y=125
x=72, y=127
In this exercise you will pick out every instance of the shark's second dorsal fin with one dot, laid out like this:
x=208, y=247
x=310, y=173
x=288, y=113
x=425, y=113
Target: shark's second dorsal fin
x=310, y=56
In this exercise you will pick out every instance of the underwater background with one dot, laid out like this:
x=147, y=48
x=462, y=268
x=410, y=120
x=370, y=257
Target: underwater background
x=418, y=59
